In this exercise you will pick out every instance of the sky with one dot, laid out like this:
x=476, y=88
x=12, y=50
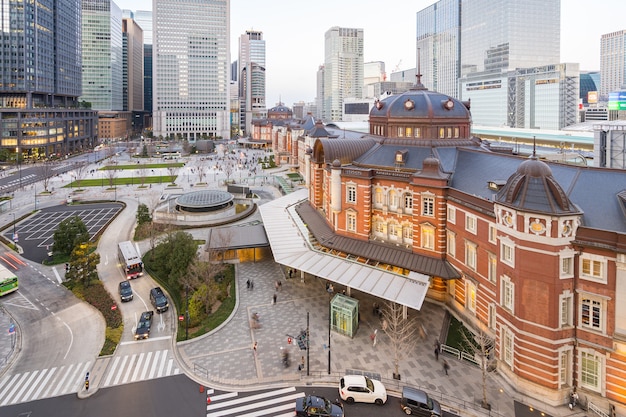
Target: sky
x=294, y=35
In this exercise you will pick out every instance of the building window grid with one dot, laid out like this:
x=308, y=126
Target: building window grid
x=451, y=243
x=470, y=223
x=592, y=269
x=507, y=296
x=451, y=215
x=565, y=313
x=351, y=194
x=507, y=254
x=351, y=222
x=428, y=237
x=590, y=370
x=492, y=267
x=470, y=255
x=507, y=347
x=428, y=206
x=591, y=313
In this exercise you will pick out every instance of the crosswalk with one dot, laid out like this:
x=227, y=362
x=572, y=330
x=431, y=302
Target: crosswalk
x=56, y=381
x=275, y=403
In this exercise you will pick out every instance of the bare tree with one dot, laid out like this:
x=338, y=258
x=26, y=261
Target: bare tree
x=202, y=172
x=219, y=242
x=173, y=170
x=111, y=173
x=228, y=167
x=45, y=171
x=402, y=331
x=143, y=173
x=479, y=345
x=80, y=170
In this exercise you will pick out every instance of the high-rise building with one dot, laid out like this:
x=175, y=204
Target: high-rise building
x=343, y=69
x=132, y=73
x=40, y=115
x=612, y=63
x=144, y=20
x=319, y=98
x=102, y=55
x=439, y=46
x=373, y=72
x=191, y=61
x=498, y=38
x=251, y=67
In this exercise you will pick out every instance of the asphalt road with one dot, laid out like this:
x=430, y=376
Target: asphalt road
x=181, y=397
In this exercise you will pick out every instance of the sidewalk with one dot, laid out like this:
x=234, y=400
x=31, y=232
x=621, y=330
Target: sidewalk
x=225, y=358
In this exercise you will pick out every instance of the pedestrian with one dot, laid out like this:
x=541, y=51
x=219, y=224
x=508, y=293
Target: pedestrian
x=254, y=348
x=276, y=285
x=280, y=285
x=437, y=348
x=274, y=299
x=290, y=272
x=248, y=283
x=373, y=337
x=251, y=285
x=446, y=367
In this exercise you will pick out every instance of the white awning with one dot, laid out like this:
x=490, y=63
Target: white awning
x=289, y=239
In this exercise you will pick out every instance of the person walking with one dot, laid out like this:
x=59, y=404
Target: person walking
x=437, y=349
x=254, y=348
x=374, y=336
x=446, y=367
x=274, y=299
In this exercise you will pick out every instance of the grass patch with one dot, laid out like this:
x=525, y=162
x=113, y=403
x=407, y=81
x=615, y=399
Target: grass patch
x=455, y=337
x=142, y=166
x=106, y=182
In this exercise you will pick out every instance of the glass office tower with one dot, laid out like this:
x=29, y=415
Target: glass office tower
x=102, y=55
x=40, y=80
x=191, y=62
x=251, y=78
x=438, y=46
x=503, y=35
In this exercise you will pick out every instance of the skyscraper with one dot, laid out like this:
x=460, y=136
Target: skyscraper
x=144, y=19
x=102, y=55
x=343, y=69
x=439, y=46
x=132, y=65
x=190, y=72
x=40, y=80
x=251, y=78
x=612, y=63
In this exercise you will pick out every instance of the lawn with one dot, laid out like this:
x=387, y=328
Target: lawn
x=143, y=166
x=106, y=182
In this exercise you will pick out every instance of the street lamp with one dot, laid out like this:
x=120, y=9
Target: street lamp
x=19, y=165
x=13, y=226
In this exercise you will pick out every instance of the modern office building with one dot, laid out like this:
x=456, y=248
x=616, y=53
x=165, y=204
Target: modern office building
x=132, y=73
x=144, y=20
x=343, y=69
x=373, y=72
x=612, y=63
x=191, y=62
x=589, y=87
x=251, y=67
x=102, y=55
x=40, y=114
x=319, y=98
x=544, y=97
x=439, y=46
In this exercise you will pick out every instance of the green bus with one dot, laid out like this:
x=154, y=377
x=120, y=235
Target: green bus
x=8, y=281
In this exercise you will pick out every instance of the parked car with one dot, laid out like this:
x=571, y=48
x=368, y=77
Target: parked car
x=158, y=299
x=359, y=388
x=125, y=290
x=143, y=327
x=417, y=402
x=313, y=406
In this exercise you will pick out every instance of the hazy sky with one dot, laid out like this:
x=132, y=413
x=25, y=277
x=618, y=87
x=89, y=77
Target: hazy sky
x=294, y=34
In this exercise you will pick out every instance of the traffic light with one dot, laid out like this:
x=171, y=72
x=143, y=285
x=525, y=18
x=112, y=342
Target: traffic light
x=302, y=340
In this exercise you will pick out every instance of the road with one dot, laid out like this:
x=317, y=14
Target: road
x=180, y=396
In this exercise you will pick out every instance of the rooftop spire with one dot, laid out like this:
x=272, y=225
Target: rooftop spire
x=418, y=76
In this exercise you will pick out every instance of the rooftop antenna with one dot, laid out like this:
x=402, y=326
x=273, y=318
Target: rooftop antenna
x=534, y=147
x=418, y=76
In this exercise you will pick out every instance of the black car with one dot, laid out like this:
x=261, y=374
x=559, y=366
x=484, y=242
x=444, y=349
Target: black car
x=158, y=299
x=312, y=406
x=143, y=327
x=125, y=290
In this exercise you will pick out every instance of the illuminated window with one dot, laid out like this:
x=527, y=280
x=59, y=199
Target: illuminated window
x=591, y=312
x=409, y=132
x=492, y=265
x=451, y=243
x=351, y=222
x=592, y=269
x=470, y=255
x=428, y=237
x=471, y=296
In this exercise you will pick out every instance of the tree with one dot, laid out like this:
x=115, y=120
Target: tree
x=79, y=173
x=144, y=151
x=479, y=345
x=111, y=174
x=173, y=256
x=202, y=171
x=45, y=171
x=70, y=233
x=173, y=170
x=402, y=332
x=143, y=215
x=83, y=264
x=228, y=167
x=201, y=278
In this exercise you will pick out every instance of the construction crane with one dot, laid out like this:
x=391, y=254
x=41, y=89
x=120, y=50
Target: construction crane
x=397, y=67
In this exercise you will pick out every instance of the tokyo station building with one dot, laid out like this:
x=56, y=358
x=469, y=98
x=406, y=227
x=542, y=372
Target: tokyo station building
x=530, y=253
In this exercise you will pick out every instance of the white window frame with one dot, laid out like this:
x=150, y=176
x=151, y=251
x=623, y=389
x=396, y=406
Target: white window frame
x=492, y=267
x=507, y=293
x=407, y=233
x=565, y=367
x=508, y=346
x=470, y=295
x=593, y=268
x=591, y=369
x=379, y=197
x=451, y=214
x=566, y=264
x=592, y=312
x=492, y=316
x=351, y=193
x=393, y=199
x=451, y=243
x=351, y=221
x=408, y=202
x=493, y=234
x=428, y=205
x=427, y=236
x=566, y=310
x=470, y=223
x=471, y=257
x=507, y=252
